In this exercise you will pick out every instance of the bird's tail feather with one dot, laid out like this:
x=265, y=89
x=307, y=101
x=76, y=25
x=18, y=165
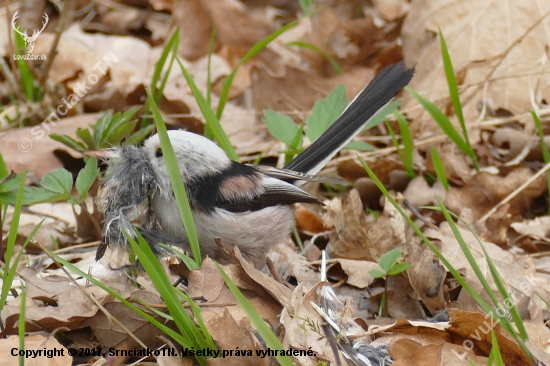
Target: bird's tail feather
x=366, y=104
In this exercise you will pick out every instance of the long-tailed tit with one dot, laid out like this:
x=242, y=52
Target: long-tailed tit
x=251, y=207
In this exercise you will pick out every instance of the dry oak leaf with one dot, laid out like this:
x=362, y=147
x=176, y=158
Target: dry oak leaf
x=485, y=190
x=32, y=149
x=473, y=329
x=52, y=302
x=505, y=262
x=354, y=237
x=502, y=43
x=37, y=343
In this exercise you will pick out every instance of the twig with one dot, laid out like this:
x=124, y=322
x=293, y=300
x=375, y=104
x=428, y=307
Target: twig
x=415, y=212
x=67, y=5
x=515, y=192
x=93, y=299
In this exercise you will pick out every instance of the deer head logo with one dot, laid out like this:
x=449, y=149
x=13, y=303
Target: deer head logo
x=29, y=40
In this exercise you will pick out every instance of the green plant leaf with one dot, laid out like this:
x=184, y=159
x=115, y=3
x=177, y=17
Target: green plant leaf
x=439, y=168
x=408, y=146
x=387, y=260
x=58, y=181
x=3, y=168
x=312, y=47
x=11, y=184
x=380, y=116
x=359, y=145
x=280, y=126
x=70, y=142
x=325, y=112
x=86, y=177
x=139, y=135
x=441, y=119
x=455, y=96
x=377, y=273
x=211, y=119
x=86, y=136
x=398, y=268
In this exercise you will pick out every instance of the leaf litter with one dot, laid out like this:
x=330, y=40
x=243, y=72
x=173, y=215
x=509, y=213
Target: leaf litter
x=432, y=320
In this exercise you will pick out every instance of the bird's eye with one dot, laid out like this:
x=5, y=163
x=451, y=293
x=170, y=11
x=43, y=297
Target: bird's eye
x=158, y=153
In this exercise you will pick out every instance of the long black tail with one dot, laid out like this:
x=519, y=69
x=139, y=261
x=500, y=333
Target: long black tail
x=366, y=104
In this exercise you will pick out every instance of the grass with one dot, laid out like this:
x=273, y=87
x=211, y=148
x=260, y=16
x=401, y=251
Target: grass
x=543, y=147
x=439, y=168
x=486, y=307
x=177, y=183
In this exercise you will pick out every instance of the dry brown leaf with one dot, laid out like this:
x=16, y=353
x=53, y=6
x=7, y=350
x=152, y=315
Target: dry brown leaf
x=196, y=25
x=426, y=276
x=280, y=292
x=473, y=330
x=308, y=221
x=52, y=302
x=302, y=327
x=110, y=334
x=537, y=228
x=122, y=63
x=424, y=356
x=401, y=299
x=356, y=271
x=489, y=31
x=505, y=262
x=206, y=281
x=290, y=263
x=485, y=190
x=37, y=343
x=419, y=193
x=354, y=237
x=21, y=147
x=230, y=336
x=512, y=142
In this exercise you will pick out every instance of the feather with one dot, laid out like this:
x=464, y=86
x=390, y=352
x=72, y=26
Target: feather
x=366, y=104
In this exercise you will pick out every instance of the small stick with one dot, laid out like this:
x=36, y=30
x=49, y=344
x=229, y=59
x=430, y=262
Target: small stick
x=515, y=193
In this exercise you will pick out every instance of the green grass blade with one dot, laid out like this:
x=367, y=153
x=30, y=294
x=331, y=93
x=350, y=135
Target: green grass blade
x=10, y=245
x=188, y=261
x=27, y=78
x=495, y=351
x=312, y=47
x=482, y=303
x=439, y=168
x=211, y=119
x=162, y=283
x=260, y=45
x=494, y=274
x=269, y=338
x=181, y=338
x=381, y=115
x=171, y=46
x=441, y=119
x=395, y=141
x=177, y=183
x=505, y=323
x=455, y=96
x=545, y=152
x=21, y=324
x=408, y=145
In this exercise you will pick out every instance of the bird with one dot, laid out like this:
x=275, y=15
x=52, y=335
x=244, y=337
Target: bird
x=251, y=207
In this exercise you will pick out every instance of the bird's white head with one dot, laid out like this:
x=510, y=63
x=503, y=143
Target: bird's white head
x=197, y=156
